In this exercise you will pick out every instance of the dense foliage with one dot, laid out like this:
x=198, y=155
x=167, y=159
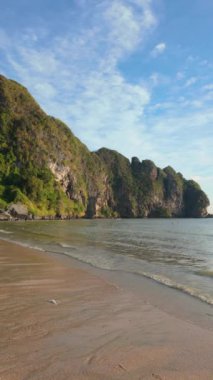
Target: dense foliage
x=44, y=166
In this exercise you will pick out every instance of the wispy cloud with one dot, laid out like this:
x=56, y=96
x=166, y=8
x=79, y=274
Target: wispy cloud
x=180, y=75
x=208, y=87
x=76, y=75
x=158, y=49
x=191, y=81
x=4, y=39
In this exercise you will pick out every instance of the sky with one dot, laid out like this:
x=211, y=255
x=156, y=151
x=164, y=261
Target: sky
x=131, y=75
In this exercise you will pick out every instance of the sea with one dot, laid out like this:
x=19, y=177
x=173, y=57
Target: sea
x=175, y=252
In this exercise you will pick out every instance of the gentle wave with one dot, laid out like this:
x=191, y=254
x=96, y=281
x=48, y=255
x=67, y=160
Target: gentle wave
x=205, y=273
x=168, y=282
x=25, y=245
x=63, y=245
x=157, y=278
x=5, y=232
x=105, y=264
x=96, y=262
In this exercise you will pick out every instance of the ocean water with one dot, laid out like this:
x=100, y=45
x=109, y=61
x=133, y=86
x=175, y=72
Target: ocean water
x=175, y=252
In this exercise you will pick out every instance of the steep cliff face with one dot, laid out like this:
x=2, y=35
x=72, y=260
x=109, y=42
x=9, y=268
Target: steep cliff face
x=195, y=200
x=120, y=182
x=44, y=166
x=41, y=162
x=140, y=189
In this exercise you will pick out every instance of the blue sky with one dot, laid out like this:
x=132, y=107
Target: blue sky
x=131, y=75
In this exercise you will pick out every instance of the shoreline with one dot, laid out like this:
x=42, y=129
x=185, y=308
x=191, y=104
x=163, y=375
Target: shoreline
x=28, y=218
x=179, y=290
x=104, y=326
x=171, y=300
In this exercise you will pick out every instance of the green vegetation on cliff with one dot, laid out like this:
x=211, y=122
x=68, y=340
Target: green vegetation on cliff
x=44, y=166
x=34, y=150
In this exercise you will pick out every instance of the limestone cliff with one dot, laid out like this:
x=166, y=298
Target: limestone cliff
x=45, y=167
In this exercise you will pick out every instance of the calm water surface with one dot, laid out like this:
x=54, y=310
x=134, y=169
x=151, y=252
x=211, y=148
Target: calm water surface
x=176, y=252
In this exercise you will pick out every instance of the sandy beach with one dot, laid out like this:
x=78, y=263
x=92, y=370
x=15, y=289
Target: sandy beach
x=97, y=329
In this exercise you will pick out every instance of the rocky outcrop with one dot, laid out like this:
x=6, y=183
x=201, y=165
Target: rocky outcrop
x=5, y=216
x=67, y=180
x=18, y=210
x=195, y=200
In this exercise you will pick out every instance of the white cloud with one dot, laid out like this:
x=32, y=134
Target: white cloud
x=180, y=75
x=124, y=31
x=157, y=79
x=46, y=89
x=4, y=40
x=113, y=109
x=158, y=49
x=208, y=87
x=76, y=75
x=191, y=81
x=39, y=61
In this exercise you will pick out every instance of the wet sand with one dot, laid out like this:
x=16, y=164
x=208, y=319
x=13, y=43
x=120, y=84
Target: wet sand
x=98, y=329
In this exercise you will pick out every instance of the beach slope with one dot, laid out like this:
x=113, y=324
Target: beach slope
x=61, y=322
